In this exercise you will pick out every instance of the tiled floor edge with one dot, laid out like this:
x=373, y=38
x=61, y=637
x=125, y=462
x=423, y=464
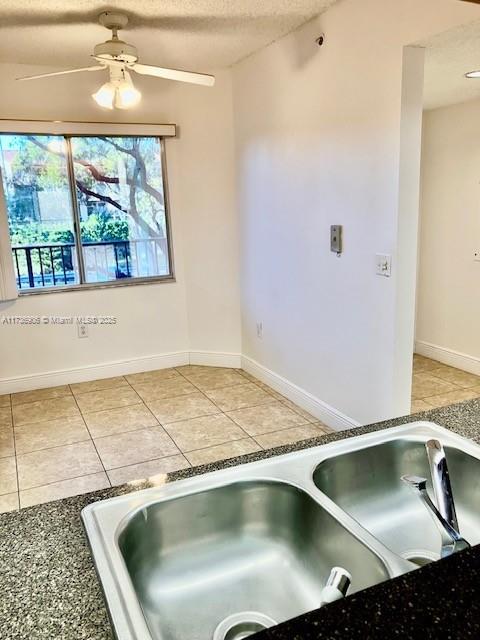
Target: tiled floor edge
x=74, y=375
x=325, y=413
x=448, y=357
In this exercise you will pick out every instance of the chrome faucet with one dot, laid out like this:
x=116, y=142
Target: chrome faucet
x=443, y=513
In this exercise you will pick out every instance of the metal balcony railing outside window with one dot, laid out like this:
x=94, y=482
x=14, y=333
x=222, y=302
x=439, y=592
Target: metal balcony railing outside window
x=55, y=265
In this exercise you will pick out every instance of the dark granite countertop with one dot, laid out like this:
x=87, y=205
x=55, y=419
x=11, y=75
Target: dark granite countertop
x=49, y=588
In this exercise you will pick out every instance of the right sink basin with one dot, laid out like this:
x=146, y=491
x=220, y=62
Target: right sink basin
x=366, y=484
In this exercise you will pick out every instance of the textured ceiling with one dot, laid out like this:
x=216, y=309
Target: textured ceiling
x=195, y=34
x=448, y=57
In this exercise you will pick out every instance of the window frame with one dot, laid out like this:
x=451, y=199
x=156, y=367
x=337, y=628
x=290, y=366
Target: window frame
x=92, y=130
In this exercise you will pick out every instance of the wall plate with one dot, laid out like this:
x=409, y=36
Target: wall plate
x=383, y=264
x=336, y=233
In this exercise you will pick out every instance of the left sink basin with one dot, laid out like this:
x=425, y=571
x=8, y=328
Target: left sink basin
x=221, y=562
x=257, y=546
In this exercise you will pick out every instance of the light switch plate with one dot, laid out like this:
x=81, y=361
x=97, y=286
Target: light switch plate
x=336, y=243
x=383, y=264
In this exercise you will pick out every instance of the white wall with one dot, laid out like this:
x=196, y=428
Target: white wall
x=205, y=181
x=318, y=143
x=448, y=305
x=200, y=311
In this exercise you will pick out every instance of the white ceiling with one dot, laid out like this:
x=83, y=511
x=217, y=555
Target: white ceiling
x=194, y=34
x=448, y=57
x=206, y=34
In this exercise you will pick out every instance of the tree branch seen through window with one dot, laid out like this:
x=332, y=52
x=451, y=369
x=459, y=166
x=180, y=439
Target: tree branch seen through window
x=120, y=208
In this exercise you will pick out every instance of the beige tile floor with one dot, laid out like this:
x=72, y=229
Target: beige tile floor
x=438, y=385
x=76, y=438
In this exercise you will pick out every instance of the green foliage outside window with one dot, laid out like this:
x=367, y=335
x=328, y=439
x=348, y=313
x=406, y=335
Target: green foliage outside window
x=98, y=228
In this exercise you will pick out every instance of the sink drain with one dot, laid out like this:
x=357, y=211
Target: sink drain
x=242, y=625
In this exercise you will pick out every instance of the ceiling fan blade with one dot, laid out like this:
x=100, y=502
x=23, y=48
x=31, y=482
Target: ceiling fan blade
x=109, y=61
x=174, y=74
x=62, y=73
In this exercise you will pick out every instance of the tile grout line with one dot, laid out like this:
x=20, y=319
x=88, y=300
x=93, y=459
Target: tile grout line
x=220, y=444
x=203, y=415
x=292, y=426
x=49, y=484
x=271, y=392
x=214, y=403
x=161, y=425
x=114, y=386
x=22, y=404
x=93, y=442
x=283, y=400
x=448, y=392
x=276, y=446
x=274, y=398
x=257, y=442
x=220, y=412
x=57, y=446
x=66, y=415
x=15, y=454
x=121, y=433
x=134, y=464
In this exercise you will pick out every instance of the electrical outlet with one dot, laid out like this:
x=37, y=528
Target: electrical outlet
x=82, y=330
x=383, y=263
x=260, y=330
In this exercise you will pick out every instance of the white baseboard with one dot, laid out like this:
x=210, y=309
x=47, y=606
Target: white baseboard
x=216, y=359
x=321, y=410
x=117, y=368
x=448, y=356
x=327, y=414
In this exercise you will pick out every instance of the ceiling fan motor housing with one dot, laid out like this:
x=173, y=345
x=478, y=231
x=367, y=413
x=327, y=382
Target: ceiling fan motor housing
x=116, y=50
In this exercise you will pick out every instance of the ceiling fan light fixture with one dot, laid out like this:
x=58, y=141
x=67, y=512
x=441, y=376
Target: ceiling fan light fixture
x=473, y=74
x=105, y=96
x=119, y=93
x=126, y=95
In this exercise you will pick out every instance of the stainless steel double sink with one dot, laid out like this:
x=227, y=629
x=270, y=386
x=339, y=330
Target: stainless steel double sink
x=223, y=555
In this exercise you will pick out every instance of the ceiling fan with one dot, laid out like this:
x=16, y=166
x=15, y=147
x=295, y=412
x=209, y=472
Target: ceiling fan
x=120, y=58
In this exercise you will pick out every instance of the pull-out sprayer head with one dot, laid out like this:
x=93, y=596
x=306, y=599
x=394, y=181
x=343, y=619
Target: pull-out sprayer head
x=336, y=586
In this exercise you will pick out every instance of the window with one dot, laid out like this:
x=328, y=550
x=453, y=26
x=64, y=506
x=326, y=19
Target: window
x=85, y=210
